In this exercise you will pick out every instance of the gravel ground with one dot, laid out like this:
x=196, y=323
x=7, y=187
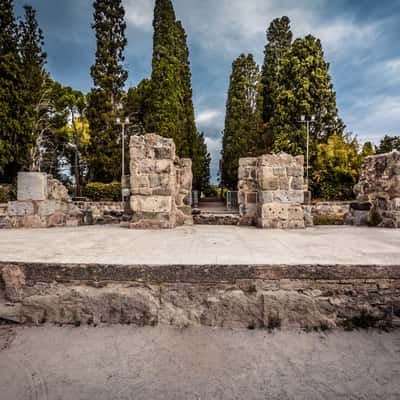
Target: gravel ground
x=123, y=362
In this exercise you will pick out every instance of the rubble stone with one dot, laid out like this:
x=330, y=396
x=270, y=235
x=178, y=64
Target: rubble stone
x=378, y=192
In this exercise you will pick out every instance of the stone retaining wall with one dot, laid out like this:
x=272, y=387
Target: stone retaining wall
x=101, y=212
x=244, y=296
x=161, y=184
x=326, y=213
x=378, y=192
x=43, y=202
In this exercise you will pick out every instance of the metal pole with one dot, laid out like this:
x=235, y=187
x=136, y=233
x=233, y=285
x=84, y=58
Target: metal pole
x=308, y=150
x=123, y=161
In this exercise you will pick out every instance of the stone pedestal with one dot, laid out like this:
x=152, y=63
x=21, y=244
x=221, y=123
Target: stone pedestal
x=31, y=186
x=161, y=184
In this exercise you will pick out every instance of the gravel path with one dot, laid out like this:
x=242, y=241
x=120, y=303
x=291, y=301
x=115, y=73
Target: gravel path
x=122, y=362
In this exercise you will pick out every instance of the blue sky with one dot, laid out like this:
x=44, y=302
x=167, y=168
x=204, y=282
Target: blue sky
x=360, y=39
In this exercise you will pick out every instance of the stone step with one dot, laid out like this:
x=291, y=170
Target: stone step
x=213, y=218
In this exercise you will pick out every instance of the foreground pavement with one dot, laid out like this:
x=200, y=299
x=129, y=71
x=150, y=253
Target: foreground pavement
x=202, y=245
x=121, y=362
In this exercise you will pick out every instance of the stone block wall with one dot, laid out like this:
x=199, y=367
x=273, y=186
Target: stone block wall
x=229, y=296
x=101, y=212
x=42, y=202
x=161, y=184
x=271, y=191
x=378, y=192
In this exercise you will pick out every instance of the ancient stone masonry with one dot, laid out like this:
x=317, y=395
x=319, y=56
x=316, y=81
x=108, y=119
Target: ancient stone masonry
x=43, y=202
x=231, y=296
x=271, y=191
x=378, y=192
x=161, y=184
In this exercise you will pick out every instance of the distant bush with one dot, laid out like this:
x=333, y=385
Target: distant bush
x=8, y=193
x=98, y=191
x=212, y=191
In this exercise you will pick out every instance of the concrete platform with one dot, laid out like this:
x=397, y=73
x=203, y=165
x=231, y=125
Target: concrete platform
x=202, y=245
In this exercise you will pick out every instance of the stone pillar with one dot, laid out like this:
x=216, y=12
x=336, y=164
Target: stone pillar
x=271, y=191
x=160, y=183
x=248, y=188
x=281, y=191
x=378, y=192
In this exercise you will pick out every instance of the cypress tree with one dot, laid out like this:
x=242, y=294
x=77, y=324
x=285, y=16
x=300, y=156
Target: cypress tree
x=109, y=77
x=279, y=41
x=14, y=100
x=37, y=81
x=304, y=87
x=166, y=105
x=170, y=111
x=241, y=133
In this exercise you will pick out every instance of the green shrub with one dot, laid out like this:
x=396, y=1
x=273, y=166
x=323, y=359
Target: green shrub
x=98, y=191
x=8, y=193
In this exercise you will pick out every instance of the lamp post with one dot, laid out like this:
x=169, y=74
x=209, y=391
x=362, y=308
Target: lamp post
x=308, y=122
x=123, y=123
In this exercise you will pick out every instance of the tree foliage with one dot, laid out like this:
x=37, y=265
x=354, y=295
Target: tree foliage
x=279, y=41
x=241, y=133
x=336, y=169
x=15, y=104
x=388, y=144
x=109, y=77
x=164, y=104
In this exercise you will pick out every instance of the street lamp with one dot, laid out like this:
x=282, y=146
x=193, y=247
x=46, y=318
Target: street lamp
x=123, y=123
x=307, y=122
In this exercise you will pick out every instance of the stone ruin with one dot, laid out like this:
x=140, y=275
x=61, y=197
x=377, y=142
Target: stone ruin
x=42, y=202
x=161, y=184
x=271, y=191
x=378, y=192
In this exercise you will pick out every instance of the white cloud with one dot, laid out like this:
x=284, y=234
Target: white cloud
x=207, y=118
x=380, y=116
x=139, y=14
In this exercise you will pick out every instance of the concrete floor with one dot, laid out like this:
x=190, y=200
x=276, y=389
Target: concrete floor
x=202, y=245
x=121, y=363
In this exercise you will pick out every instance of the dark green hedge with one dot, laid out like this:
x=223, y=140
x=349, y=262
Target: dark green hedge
x=98, y=191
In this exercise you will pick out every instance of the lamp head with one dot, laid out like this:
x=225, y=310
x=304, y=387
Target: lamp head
x=127, y=120
x=118, y=120
x=303, y=118
x=313, y=118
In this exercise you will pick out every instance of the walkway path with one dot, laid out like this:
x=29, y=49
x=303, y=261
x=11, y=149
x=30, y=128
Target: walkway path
x=122, y=362
x=202, y=245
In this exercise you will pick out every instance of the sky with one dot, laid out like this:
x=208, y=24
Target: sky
x=360, y=39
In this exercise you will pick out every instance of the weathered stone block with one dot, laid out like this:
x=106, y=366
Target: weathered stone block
x=32, y=186
x=151, y=204
x=20, y=208
x=48, y=207
x=288, y=196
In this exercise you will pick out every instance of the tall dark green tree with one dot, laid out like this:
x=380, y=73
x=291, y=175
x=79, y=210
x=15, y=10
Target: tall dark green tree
x=304, y=87
x=109, y=77
x=167, y=105
x=168, y=101
x=279, y=41
x=241, y=133
x=15, y=140
x=37, y=81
